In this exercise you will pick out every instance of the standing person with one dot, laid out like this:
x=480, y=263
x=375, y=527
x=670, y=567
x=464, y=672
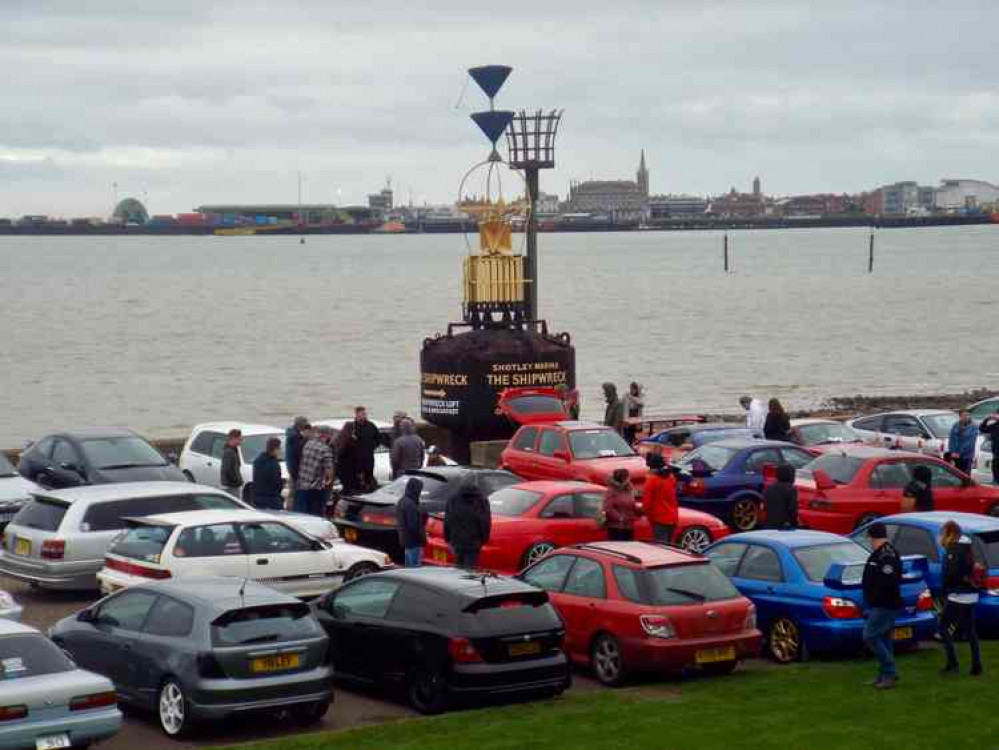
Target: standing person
x=435, y=457
x=960, y=597
x=619, y=507
x=882, y=592
x=397, y=419
x=408, y=451
x=614, y=413
x=780, y=500
x=346, y=461
x=267, y=479
x=570, y=399
x=467, y=523
x=367, y=438
x=232, y=475
x=660, y=499
x=634, y=403
x=918, y=493
x=295, y=438
x=961, y=445
x=315, y=473
x=412, y=524
x=777, y=425
x=990, y=427
x=756, y=415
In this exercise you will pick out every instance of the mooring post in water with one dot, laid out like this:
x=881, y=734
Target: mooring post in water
x=725, y=253
x=870, y=254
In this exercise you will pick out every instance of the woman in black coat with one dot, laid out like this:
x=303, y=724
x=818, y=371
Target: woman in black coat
x=777, y=425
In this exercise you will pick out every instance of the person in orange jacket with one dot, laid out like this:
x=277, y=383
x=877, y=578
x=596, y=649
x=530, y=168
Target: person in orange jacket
x=660, y=499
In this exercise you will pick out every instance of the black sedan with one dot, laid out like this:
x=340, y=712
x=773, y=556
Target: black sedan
x=204, y=649
x=95, y=456
x=369, y=520
x=445, y=634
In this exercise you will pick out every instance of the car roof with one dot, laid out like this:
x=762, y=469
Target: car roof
x=813, y=420
x=790, y=538
x=934, y=519
x=199, y=517
x=246, y=428
x=91, y=433
x=552, y=486
x=463, y=583
x=580, y=424
x=860, y=450
x=909, y=413
x=218, y=593
x=989, y=400
x=646, y=554
x=9, y=627
x=126, y=491
x=741, y=443
x=449, y=473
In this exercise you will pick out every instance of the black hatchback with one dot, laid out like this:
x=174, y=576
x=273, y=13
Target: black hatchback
x=445, y=635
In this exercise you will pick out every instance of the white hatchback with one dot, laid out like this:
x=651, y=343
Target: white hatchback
x=242, y=544
x=916, y=430
x=201, y=457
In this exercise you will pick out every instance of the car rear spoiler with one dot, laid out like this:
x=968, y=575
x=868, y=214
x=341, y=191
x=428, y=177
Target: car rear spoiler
x=842, y=576
x=508, y=599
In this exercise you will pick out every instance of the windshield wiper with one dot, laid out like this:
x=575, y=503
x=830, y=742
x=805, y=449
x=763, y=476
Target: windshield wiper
x=689, y=594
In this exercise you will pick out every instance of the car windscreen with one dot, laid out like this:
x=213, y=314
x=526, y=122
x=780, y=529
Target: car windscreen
x=987, y=548
x=120, y=453
x=840, y=468
x=716, y=457
x=42, y=513
x=254, y=445
x=940, y=424
x=142, y=542
x=587, y=444
x=30, y=655
x=705, y=437
x=431, y=486
x=827, y=432
x=6, y=467
x=512, y=501
x=816, y=561
x=689, y=584
x=265, y=624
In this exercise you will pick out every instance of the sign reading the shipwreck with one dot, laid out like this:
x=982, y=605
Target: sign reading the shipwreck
x=522, y=374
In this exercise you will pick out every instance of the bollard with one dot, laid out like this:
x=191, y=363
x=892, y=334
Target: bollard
x=870, y=254
x=725, y=253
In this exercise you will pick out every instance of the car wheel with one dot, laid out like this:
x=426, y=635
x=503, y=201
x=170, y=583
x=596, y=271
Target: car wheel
x=745, y=514
x=720, y=668
x=175, y=720
x=189, y=476
x=865, y=519
x=993, y=510
x=426, y=690
x=695, y=539
x=536, y=551
x=310, y=713
x=784, y=641
x=360, y=570
x=607, y=661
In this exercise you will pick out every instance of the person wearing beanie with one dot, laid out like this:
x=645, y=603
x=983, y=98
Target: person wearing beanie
x=883, y=595
x=780, y=500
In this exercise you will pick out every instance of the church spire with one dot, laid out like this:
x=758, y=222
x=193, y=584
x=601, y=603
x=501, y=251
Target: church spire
x=643, y=175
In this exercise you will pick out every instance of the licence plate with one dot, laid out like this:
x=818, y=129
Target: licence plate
x=713, y=655
x=275, y=663
x=901, y=634
x=22, y=546
x=350, y=534
x=440, y=555
x=523, y=649
x=52, y=742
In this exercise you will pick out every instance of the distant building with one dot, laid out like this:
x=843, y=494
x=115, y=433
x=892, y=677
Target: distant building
x=956, y=196
x=381, y=202
x=312, y=214
x=621, y=200
x=821, y=204
x=903, y=198
x=547, y=204
x=130, y=211
x=739, y=205
x=676, y=206
x=757, y=187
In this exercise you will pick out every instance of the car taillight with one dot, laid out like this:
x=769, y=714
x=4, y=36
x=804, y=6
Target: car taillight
x=53, y=549
x=94, y=700
x=750, y=618
x=657, y=626
x=840, y=609
x=462, y=651
x=209, y=667
x=992, y=585
x=10, y=713
x=694, y=487
x=378, y=519
x=925, y=601
x=819, y=503
x=136, y=570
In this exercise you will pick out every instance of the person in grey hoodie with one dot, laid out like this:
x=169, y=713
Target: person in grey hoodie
x=412, y=523
x=408, y=450
x=614, y=414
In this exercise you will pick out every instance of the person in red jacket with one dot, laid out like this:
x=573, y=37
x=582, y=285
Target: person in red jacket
x=619, y=507
x=660, y=499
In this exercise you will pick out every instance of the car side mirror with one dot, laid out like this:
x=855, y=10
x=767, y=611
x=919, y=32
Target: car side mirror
x=562, y=456
x=822, y=480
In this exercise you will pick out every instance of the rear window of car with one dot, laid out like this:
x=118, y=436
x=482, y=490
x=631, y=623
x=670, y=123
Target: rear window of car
x=431, y=486
x=988, y=548
x=512, y=502
x=715, y=456
x=816, y=561
x=841, y=469
x=689, y=584
x=511, y=613
x=536, y=405
x=108, y=516
x=30, y=655
x=41, y=513
x=267, y=624
x=142, y=542
x=940, y=424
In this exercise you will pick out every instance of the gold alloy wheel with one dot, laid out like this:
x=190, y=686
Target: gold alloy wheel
x=785, y=641
x=745, y=514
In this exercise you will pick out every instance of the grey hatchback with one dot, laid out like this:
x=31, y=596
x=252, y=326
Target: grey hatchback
x=203, y=649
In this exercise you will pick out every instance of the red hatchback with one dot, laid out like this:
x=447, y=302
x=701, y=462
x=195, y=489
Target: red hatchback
x=844, y=489
x=635, y=607
x=530, y=520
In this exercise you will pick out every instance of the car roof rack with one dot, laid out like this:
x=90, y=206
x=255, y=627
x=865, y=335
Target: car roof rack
x=595, y=547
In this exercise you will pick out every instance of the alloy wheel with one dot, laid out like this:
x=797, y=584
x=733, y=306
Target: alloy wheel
x=537, y=551
x=785, y=641
x=745, y=514
x=360, y=570
x=172, y=709
x=695, y=539
x=607, y=663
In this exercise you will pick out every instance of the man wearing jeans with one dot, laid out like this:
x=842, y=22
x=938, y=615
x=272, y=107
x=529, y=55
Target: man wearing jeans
x=883, y=595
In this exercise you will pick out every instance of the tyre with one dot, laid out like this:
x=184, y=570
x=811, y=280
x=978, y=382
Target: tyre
x=993, y=509
x=359, y=570
x=173, y=709
x=426, y=690
x=607, y=660
x=720, y=668
x=189, y=475
x=784, y=641
x=535, y=552
x=695, y=539
x=310, y=713
x=745, y=514
x=865, y=519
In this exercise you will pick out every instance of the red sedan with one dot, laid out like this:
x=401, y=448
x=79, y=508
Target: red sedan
x=534, y=518
x=637, y=607
x=844, y=489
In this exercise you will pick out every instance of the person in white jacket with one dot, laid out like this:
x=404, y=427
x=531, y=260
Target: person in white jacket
x=756, y=415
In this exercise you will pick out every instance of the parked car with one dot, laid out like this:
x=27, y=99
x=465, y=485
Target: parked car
x=9, y=608
x=919, y=534
x=982, y=409
x=674, y=443
x=204, y=649
x=981, y=470
x=807, y=589
x=370, y=519
x=59, y=539
x=823, y=434
x=726, y=478
x=240, y=543
x=839, y=492
x=530, y=520
x=15, y=491
x=48, y=702
x=918, y=430
x=95, y=456
x=201, y=457
x=445, y=635
x=634, y=607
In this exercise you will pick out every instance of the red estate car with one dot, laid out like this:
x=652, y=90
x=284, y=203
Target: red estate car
x=639, y=607
x=842, y=490
x=530, y=520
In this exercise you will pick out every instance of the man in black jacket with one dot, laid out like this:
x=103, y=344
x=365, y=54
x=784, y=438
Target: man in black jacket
x=267, y=480
x=883, y=594
x=467, y=523
x=780, y=500
x=412, y=523
x=367, y=438
x=232, y=474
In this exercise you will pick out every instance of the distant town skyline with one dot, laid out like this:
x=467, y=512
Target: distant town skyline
x=188, y=103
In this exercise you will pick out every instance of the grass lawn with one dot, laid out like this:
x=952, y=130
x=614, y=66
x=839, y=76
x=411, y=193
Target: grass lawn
x=815, y=705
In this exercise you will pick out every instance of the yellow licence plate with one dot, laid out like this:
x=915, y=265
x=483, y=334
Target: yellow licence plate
x=440, y=555
x=275, y=663
x=713, y=655
x=350, y=534
x=523, y=649
x=22, y=546
x=901, y=634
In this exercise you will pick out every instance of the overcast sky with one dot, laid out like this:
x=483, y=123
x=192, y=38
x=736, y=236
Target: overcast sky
x=191, y=102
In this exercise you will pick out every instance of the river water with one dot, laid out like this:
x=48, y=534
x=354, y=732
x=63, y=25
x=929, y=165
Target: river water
x=158, y=333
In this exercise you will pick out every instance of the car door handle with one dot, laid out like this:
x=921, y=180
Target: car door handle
x=771, y=590
x=263, y=561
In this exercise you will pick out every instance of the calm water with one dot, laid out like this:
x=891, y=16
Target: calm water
x=160, y=333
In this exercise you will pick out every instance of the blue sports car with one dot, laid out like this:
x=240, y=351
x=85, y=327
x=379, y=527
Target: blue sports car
x=725, y=478
x=806, y=586
x=694, y=435
x=919, y=534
